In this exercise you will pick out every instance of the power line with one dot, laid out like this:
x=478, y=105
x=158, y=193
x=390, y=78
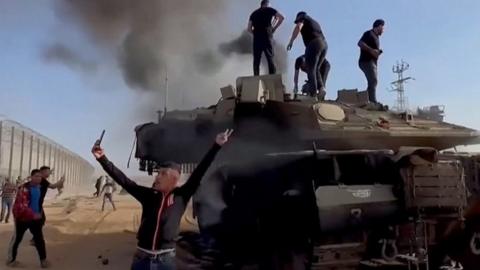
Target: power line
x=401, y=103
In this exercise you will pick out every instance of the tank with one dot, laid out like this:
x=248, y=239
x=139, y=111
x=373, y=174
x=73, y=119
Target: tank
x=320, y=185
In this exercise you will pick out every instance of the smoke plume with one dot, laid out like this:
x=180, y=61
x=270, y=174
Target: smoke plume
x=151, y=37
x=59, y=53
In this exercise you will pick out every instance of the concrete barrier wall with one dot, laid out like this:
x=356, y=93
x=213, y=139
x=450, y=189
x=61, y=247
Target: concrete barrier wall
x=22, y=150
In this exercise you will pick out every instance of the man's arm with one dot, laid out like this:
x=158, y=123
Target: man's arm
x=138, y=192
x=294, y=36
x=250, y=27
x=58, y=184
x=189, y=188
x=278, y=20
x=103, y=190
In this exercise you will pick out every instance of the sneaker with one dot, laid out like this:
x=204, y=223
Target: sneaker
x=45, y=264
x=12, y=264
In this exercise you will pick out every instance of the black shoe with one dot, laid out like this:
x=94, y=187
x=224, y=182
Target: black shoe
x=321, y=95
x=44, y=264
x=12, y=264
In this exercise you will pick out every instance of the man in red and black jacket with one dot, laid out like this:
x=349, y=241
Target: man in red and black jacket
x=162, y=206
x=29, y=215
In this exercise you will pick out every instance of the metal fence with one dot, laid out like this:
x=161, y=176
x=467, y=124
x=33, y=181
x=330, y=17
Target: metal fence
x=22, y=150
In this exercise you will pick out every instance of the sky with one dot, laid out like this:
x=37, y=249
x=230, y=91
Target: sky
x=440, y=39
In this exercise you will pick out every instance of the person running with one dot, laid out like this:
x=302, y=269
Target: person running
x=108, y=190
x=45, y=173
x=28, y=214
x=162, y=205
x=8, y=192
x=315, y=50
x=262, y=23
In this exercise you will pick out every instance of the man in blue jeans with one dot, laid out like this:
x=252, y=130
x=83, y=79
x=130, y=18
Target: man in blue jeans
x=163, y=206
x=8, y=192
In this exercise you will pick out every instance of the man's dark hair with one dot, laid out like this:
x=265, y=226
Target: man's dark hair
x=378, y=23
x=34, y=171
x=170, y=165
x=43, y=168
x=300, y=16
x=264, y=2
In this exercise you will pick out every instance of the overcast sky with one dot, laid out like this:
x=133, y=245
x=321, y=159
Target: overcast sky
x=440, y=39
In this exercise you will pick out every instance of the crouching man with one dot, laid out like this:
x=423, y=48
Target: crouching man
x=162, y=206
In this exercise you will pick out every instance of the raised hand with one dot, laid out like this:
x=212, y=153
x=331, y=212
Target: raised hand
x=97, y=151
x=222, y=138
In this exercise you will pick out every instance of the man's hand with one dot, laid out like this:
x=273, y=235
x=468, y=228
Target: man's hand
x=37, y=216
x=222, y=138
x=376, y=53
x=289, y=46
x=97, y=151
x=60, y=182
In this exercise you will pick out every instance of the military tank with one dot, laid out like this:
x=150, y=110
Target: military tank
x=321, y=185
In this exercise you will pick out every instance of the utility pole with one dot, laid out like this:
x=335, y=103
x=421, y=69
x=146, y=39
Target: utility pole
x=401, y=104
x=166, y=92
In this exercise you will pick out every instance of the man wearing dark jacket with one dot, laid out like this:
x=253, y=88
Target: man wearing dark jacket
x=369, y=53
x=315, y=50
x=162, y=206
x=262, y=23
x=29, y=215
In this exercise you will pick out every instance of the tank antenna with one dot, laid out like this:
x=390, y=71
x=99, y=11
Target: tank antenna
x=166, y=92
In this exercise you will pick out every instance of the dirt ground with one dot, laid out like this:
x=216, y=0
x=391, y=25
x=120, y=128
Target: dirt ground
x=77, y=233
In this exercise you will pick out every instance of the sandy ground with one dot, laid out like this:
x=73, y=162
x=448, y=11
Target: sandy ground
x=77, y=233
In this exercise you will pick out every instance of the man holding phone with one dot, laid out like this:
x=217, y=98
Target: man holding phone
x=162, y=205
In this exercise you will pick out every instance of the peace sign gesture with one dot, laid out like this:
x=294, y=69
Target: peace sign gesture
x=222, y=138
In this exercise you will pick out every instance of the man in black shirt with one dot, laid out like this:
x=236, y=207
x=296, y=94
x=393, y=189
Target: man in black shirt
x=262, y=24
x=315, y=50
x=369, y=53
x=300, y=64
x=162, y=206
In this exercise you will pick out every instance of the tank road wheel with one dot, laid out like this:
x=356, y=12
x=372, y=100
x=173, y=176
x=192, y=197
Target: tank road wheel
x=475, y=244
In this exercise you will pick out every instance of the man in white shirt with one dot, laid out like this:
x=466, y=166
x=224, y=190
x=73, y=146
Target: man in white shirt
x=108, y=188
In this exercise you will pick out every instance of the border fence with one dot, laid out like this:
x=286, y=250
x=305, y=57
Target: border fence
x=22, y=150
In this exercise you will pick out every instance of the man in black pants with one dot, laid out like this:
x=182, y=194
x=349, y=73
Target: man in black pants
x=369, y=53
x=300, y=64
x=30, y=195
x=315, y=50
x=45, y=172
x=162, y=206
x=262, y=24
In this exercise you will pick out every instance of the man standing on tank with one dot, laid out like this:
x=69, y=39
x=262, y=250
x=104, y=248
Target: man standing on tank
x=369, y=53
x=315, y=50
x=262, y=24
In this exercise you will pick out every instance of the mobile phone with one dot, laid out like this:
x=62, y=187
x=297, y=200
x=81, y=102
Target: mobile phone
x=99, y=141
